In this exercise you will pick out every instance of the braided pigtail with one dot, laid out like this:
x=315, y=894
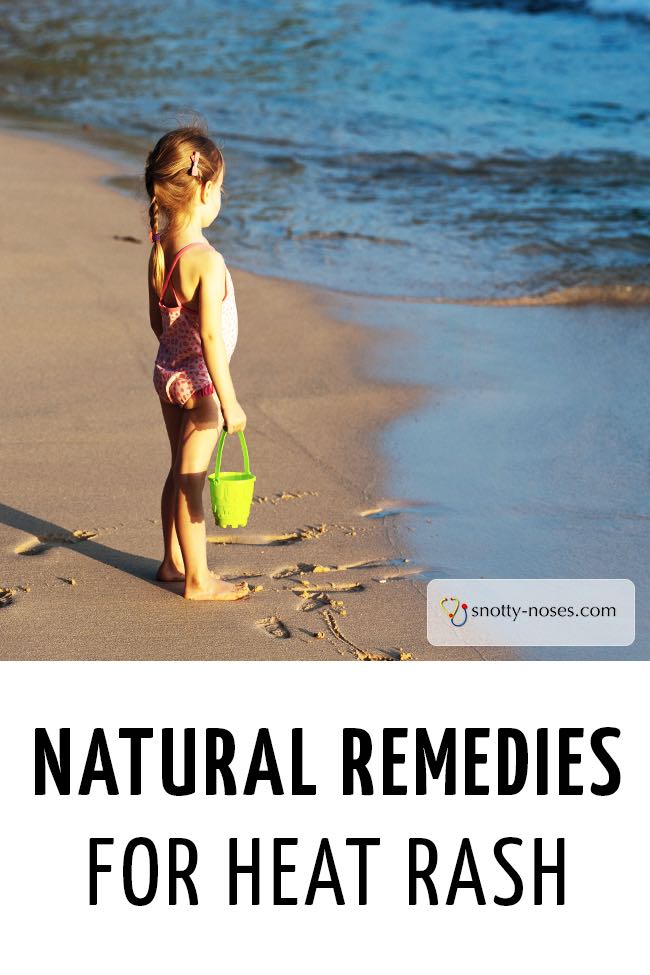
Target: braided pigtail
x=157, y=258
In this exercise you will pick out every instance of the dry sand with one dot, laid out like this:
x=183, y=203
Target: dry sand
x=85, y=454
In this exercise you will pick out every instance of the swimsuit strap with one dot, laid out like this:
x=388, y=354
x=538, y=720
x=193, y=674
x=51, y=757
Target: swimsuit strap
x=197, y=243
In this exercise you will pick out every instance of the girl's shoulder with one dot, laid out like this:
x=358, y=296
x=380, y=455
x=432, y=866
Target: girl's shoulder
x=210, y=262
x=211, y=255
x=199, y=262
x=210, y=270
x=205, y=259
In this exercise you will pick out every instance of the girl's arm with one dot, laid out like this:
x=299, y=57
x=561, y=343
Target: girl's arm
x=212, y=287
x=155, y=317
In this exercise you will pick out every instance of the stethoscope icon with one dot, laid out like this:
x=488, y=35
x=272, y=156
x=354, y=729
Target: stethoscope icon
x=459, y=606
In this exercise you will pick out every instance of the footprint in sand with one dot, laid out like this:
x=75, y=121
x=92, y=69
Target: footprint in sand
x=302, y=568
x=274, y=627
x=283, y=538
x=283, y=496
x=41, y=543
x=317, y=600
x=304, y=586
x=306, y=568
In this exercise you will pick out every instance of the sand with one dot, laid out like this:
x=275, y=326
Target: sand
x=85, y=454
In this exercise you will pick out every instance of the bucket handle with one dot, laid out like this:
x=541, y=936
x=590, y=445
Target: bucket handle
x=244, y=450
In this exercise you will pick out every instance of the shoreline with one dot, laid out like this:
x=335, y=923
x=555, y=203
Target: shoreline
x=125, y=151
x=314, y=483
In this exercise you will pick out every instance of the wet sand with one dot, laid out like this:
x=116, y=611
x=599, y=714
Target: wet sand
x=528, y=458
x=85, y=454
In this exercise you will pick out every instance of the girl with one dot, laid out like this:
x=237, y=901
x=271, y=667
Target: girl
x=193, y=314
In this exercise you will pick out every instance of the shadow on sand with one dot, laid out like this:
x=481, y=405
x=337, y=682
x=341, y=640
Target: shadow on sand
x=49, y=535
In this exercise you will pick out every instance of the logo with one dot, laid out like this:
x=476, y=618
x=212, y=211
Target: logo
x=531, y=612
x=454, y=617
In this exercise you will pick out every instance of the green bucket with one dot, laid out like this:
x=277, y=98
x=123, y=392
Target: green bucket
x=231, y=492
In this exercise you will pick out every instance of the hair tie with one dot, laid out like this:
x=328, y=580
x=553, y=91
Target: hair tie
x=195, y=156
x=154, y=238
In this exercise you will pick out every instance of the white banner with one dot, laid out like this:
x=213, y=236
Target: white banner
x=495, y=821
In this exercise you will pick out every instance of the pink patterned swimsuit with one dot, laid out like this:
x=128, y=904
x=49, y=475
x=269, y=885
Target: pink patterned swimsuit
x=180, y=370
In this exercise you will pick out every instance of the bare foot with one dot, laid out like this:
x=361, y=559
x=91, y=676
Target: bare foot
x=168, y=572
x=217, y=589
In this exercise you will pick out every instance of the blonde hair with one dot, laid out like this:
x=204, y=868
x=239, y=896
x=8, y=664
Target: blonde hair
x=171, y=187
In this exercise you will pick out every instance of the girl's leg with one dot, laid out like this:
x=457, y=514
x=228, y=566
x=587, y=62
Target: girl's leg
x=171, y=568
x=199, y=433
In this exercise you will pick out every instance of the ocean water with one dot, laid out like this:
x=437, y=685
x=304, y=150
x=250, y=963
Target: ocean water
x=466, y=150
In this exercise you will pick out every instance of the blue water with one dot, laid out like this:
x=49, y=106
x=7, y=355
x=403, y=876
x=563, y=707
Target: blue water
x=463, y=150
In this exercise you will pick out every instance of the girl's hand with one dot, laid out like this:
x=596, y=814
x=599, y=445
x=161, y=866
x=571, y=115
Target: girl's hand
x=234, y=417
